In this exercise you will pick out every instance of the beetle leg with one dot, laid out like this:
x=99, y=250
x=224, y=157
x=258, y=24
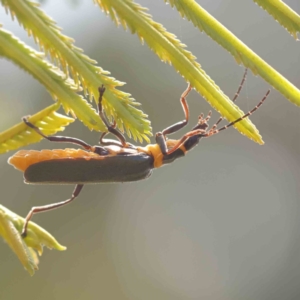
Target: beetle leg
x=184, y=139
x=161, y=142
x=110, y=128
x=177, y=126
x=106, y=142
x=63, y=139
x=39, y=209
x=160, y=137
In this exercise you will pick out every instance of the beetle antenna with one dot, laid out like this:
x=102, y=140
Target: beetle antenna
x=213, y=131
x=236, y=95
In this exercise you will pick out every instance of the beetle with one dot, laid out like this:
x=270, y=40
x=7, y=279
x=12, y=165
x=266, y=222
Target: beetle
x=114, y=160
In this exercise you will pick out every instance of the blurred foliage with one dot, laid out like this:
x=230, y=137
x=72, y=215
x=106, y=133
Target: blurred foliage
x=26, y=249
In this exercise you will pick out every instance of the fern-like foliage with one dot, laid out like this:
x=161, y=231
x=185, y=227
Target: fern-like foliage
x=47, y=120
x=119, y=105
x=169, y=49
x=242, y=54
x=64, y=54
x=59, y=86
x=282, y=13
x=26, y=249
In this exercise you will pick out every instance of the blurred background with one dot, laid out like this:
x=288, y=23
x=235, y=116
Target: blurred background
x=220, y=224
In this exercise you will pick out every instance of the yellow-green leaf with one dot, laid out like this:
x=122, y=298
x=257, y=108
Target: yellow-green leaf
x=282, y=13
x=26, y=249
x=57, y=84
x=120, y=105
x=242, y=54
x=48, y=120
x=169, y=49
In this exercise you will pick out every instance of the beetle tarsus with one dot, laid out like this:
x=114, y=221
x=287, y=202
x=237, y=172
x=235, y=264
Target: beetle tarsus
x=24, y=233
x=101, y=90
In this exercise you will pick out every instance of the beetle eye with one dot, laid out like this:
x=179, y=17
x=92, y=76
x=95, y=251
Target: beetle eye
x=202, y=122
x=202, y=126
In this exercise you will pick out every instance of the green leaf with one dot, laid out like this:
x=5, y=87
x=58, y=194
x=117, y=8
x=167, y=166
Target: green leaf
x=282, y=13
x=119, y=105
x=242, y=54
x=60, y=87
x=169, y=49
x=26, y=249
x=48, y=120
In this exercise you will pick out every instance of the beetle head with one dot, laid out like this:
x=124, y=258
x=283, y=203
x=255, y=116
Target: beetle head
x=203, y=122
